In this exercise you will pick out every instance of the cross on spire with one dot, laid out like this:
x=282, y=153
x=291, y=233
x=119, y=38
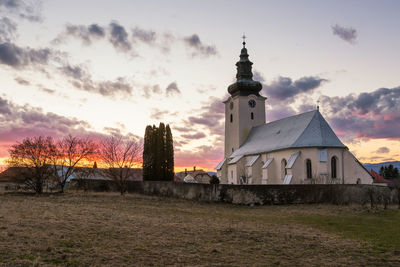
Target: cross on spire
x=244, y=40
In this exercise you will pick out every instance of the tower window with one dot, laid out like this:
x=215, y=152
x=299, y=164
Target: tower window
x=231, y=118
x=252, y=116
x=309, y=169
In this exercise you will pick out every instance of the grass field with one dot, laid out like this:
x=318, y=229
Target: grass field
x=106, y=229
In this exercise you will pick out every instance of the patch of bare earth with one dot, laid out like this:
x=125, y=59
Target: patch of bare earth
x=107, y=229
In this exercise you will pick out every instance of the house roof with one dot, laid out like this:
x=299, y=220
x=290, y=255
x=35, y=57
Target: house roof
x=378, y=178
x=308, y=129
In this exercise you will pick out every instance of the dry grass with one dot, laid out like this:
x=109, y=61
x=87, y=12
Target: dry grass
x=106, y=229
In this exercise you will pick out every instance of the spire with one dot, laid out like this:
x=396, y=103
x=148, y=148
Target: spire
x=244, y=84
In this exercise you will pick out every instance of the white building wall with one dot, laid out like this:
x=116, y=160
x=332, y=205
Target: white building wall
x=321, y=170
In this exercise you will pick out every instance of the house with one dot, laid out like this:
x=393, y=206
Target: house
x=194, y=176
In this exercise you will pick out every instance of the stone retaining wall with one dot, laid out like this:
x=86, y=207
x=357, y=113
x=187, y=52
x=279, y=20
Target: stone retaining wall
x=260, y=194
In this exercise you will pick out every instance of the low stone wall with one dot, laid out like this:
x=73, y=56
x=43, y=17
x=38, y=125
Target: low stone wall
x=262, y=194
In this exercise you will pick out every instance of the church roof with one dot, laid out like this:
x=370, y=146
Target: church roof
x=308, y=129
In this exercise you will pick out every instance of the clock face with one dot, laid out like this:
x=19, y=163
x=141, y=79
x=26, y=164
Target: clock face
x=252, y=103
x=231, y=105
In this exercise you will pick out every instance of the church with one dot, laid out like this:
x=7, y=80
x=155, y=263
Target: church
x=301, y=149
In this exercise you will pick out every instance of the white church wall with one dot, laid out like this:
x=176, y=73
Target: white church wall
x=353, y=172
x=254, y=172
x=320, y=170
x=232, y=174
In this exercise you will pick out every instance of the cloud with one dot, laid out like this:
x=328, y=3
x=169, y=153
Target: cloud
x=8, y=30
x=283, y=88
x=158, y=114
x=201, y=49
x=85, y=33
x=46, y=90
x=19, y=122
x=257, y=76
x=383, y=150
x=347, y=34
x=22, y=81
x=211, y=117
x=82, y=80
x=29, y=10
x=195, y=136
x=17, y=57
x=203, y=156
x=146, y=36
x=367, y=115
x=172, y=89
x=119, y=37
x=150, y=90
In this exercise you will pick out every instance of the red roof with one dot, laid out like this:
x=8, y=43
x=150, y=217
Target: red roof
x=378, y=178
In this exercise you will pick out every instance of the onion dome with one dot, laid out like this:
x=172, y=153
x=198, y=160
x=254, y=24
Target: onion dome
x=244, y=85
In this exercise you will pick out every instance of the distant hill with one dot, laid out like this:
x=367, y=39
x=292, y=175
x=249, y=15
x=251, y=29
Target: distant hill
x=212, y=173
x=377, y=166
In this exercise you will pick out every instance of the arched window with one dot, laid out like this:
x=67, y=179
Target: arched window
x=309, y=169
x=252, y=116
x=284, y=170
x=231, y=118
x=333, y=167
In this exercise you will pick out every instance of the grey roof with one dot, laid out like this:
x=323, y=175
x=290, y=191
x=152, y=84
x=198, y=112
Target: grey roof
x=308, y=129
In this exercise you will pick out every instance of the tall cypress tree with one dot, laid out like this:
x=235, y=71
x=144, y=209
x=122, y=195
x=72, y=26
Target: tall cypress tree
x=148, y=155
x=169, y=155
x=161, y=151
x=158, y=153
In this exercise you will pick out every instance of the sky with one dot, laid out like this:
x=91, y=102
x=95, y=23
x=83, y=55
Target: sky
x=93, y=68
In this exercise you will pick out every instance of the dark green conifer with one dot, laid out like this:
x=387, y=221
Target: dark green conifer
x=169, y=155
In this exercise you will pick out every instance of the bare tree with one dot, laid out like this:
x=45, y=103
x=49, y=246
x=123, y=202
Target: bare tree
x=33, y=154
x=70, y=152
x=119, y=155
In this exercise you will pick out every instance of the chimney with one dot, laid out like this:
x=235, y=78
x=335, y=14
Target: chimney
x=194, y=168
x=185, y=171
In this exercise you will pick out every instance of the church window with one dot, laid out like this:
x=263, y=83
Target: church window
x=309, y=169
x=252, y=116
x=284, y=170
x=231, y=118
x=333, y=167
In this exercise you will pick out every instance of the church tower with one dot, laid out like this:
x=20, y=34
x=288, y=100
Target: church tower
x=245, y=108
